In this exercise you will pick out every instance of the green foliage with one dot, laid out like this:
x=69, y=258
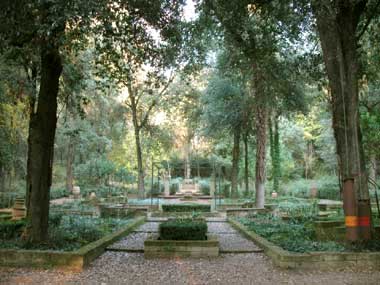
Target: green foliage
x=204, y=186
x=183, y=229
x=299, y=210
x=66, y=232
x=292, y=236
x=327, y=186
x=60, y=192
x=186, y=208
x=55, y=219
x=224, y=189
x=95, y=172
x=11, y=229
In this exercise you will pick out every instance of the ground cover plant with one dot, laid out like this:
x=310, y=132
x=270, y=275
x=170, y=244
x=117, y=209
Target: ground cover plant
x=298, y=235
x=66, y=232
x=77, y=206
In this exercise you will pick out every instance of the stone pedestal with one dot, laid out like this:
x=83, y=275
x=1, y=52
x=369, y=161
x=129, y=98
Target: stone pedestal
x=167, y=185
x=212, y=186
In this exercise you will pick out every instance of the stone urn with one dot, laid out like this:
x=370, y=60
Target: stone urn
x=76, y=191
x=274, y=195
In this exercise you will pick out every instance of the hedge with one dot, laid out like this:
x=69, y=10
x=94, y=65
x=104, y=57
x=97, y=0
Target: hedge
x=186, y=208
x=183, y=229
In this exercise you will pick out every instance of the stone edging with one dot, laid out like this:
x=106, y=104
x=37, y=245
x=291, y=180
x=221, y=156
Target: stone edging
x=154, y=248
x=71, y=260
x=312, y=260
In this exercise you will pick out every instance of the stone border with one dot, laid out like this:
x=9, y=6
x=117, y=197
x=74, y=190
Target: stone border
x=310, y=260
x=154, y=248
x=244, y=212
x=71, y=260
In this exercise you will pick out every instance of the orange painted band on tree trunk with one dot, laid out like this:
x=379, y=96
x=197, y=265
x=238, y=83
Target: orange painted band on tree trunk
x=364, y=221
x=351, y=221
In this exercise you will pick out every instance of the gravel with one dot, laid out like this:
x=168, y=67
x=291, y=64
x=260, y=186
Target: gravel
x=220, y=228
x=134, y=241
x=115, y=267
x=236, y=243
x=132, y=268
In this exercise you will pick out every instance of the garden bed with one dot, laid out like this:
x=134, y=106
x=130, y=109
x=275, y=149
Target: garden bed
x=74, y=260
x=153, y=247
x=310, y=259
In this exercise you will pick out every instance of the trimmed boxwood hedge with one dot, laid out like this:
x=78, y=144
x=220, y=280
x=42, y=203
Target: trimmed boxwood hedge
x=183, y=229
x=186, y=208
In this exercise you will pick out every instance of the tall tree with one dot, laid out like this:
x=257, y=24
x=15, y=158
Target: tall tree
x=339, y=28
x=137, y=47
x=255, y=28
x=223, y=111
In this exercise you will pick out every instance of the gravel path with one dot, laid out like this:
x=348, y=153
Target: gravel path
x=132, y=268
x=230, y=240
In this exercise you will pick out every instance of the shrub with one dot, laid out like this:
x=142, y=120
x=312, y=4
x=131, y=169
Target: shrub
x=183, y=229
x=225, y=189
x=55, y=219
x=174, y=185
x=327, y=186
x=186, y=208
x=299, y=210
x=56, y=193
x=204, y=186
x=11, y=229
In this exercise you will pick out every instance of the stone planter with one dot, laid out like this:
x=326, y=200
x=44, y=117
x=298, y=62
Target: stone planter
x=153, y=248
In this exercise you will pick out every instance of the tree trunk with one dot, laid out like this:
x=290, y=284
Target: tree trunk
x=137, y=128
x=246, y=165
x=337, y=27
x=69, y=165
x=261, y=131
x=140, y=169
x=2, y=179
x=373, y=167
x=41, y=146
x=276, y=159
x=235, y=163
x=187, y=158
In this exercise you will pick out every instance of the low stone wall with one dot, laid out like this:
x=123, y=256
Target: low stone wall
x=181, y=214
x=73, y=261
x=329, y=230
x=154, y=248
x=244, y=212
x=114, y=211
x=228, y=206
x=312, y=260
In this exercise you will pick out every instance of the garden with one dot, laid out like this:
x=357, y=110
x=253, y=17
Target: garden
x=195, y=128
